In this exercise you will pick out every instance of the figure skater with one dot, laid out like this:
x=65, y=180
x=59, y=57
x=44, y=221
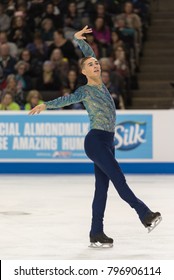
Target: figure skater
x=99, y=145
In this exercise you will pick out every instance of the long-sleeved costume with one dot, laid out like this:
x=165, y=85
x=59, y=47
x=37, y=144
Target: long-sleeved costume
x=99, y=146
x=97, y=100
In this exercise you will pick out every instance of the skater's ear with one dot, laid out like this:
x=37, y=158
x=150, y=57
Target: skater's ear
x=84, y=71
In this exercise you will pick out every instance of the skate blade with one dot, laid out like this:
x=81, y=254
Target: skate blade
x=154, y=224
x=98, y=245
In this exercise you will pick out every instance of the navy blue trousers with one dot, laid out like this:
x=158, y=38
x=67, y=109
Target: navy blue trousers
x=100, y=149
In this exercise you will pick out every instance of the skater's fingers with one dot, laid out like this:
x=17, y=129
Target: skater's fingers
x=86, y=29
x=31, y=112
x=37, y=109
x=34, y=111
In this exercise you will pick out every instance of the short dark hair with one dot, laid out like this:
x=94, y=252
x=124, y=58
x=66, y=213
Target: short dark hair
x=83, y=61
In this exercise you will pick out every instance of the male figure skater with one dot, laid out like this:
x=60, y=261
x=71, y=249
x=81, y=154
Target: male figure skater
x=99, y=144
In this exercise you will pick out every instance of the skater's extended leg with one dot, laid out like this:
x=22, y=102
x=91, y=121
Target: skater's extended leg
x=110, y=166
x=98, y=146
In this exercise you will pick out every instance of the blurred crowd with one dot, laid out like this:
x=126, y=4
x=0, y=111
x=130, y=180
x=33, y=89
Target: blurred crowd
x=39, y=59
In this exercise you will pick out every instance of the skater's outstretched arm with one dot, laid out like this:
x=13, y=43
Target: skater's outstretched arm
x=79, y=38
x=78, y=96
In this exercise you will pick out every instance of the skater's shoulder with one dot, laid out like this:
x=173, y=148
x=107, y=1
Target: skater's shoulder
x=83, y=89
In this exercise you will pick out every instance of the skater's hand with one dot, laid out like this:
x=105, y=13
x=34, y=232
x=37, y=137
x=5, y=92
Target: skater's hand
x=80, y=34
x=37, y=109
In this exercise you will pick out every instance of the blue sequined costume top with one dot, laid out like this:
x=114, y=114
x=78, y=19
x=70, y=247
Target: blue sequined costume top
x=96, y=99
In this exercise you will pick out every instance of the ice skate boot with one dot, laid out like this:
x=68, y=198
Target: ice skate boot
x=152, y=220
x=101, y=241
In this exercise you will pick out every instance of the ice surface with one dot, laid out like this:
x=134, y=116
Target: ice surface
x=48, y=217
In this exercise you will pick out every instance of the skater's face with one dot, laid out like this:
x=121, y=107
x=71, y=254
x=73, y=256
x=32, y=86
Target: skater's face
x=91, y=68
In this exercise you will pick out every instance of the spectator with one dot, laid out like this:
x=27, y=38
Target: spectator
x=26, y=56
x=132, y=20
x=115, y=77
x=113, y=7
x=71, y=82
x=65, y=45
x=48, y=79
x=53, y=44
x=126, y=34
x=120, y=62
x=4, y=19
x=10, y=8
x=23, y=11
x=35, y=11
x=21, y=75
x=93, y=44
x=128, y=37
x=107, y=64
x=16, y=90
x=50, y=13
x=7, y=62
x=47, y=30
x=101, y=12
x=122, y=68
x=38, y=48
x=34, y=67
x=61, y=5
x=103, y=35
x=13, y=50
x=60, y=63
x=116, y=40
x=57, y=10
x=7, y=102
x=114, y=90
x=20, y=33
x=81, y=6
x=72, y=20
x=33, y=98
x=83, y=11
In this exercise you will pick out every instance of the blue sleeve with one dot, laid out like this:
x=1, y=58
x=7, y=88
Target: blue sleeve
x=85, y=48
x=78, y=96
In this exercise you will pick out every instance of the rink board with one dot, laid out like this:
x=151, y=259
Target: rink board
x=53, y=142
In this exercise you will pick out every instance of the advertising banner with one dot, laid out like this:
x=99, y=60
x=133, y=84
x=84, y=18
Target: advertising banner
x=53, y=142
x=60, y=137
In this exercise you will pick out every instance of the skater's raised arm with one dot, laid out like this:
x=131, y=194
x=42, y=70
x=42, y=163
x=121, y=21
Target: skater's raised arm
x=78, y=96
x=84, y=46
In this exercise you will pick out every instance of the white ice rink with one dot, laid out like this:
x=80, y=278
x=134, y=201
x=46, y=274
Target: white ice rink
x=48, y=217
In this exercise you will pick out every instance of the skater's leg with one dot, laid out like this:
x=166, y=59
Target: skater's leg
x=99, y=149
x=99, y=201
x=111, y=167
